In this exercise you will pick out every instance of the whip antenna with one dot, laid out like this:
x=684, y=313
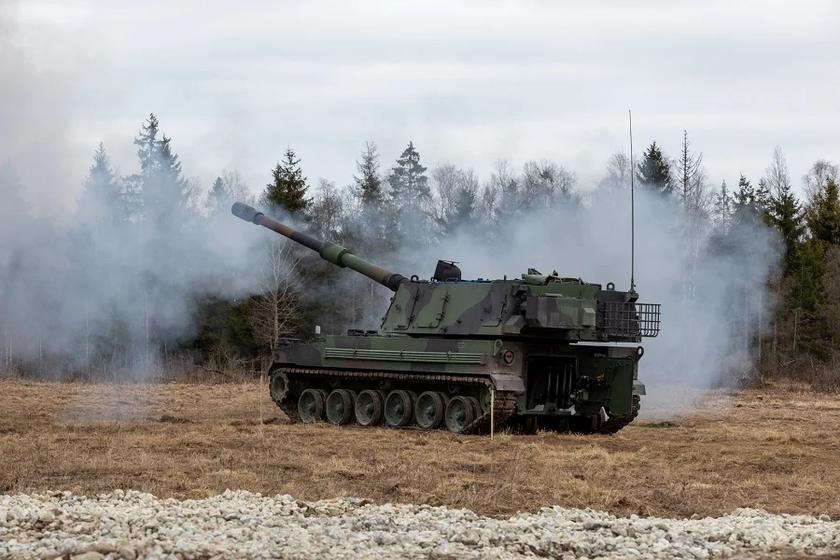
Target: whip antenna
x=632, y=209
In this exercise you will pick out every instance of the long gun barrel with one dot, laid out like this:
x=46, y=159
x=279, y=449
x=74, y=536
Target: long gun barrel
x=336, y=254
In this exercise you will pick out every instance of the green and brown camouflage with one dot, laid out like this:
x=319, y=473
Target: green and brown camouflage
x=549, y=351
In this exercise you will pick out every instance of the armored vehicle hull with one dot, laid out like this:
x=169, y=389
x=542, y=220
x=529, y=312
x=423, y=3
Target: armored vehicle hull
x=559, y=386
x=470, y=356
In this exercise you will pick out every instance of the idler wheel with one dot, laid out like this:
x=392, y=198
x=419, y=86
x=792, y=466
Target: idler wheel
x=399, y=409
x=311, y=405
x=429, y=410
x=484, y=399
x=370, y=405
x=340, y=407
x=460, y=413
x=278, y=387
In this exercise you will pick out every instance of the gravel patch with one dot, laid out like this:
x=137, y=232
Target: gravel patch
x=131, y=525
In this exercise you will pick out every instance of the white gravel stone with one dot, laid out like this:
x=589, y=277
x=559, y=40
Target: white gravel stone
x=129, y=525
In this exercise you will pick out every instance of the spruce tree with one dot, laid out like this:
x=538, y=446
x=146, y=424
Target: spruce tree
x=101, y=198
x=160, y=184
x=368, y=181
x=823, y=214
x=762, y=195
x=750, y=204
x=218, y=197
x=288, y=186
x=146, y=142
x=654, y=171
x=463, y=214
x=410, y=197
x=408, y=182
x=723, y=208
x=785, y=214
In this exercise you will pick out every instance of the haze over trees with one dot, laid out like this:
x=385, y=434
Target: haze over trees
x=168, y=293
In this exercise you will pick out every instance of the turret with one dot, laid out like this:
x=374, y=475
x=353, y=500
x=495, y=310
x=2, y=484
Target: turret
x=331, y=252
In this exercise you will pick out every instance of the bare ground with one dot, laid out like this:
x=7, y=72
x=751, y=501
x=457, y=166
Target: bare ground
x=776, y=448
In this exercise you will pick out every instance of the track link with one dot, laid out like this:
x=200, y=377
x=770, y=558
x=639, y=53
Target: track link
x=504, y=402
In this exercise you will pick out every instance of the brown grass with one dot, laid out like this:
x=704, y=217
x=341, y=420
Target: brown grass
x=776, y=448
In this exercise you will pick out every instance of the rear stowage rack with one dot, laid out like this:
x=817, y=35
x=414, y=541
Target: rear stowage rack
x=628, y=319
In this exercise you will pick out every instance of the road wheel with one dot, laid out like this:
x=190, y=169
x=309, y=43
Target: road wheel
x=369, y=407
x=476, y=407
x=311, y=405
x=460, y=413
x=429, y=410
x=399, y=408
x=340, y=407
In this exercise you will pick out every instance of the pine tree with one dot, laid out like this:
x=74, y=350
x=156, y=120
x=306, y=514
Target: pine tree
x=288, y=186
x=654, y=171
x=368, y=180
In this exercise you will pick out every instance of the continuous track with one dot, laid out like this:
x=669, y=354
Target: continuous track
x=504, y=401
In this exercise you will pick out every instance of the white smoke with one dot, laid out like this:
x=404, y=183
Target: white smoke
x=715, y=300
x=63, y=288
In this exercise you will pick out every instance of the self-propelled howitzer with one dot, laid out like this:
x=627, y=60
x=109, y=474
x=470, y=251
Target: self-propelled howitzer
x=538, y=351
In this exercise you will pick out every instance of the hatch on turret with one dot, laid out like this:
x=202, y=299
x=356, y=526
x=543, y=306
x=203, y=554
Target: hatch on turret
x=447, y=271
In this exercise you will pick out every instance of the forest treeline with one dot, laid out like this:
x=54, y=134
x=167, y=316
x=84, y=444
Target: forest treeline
x=385, y=213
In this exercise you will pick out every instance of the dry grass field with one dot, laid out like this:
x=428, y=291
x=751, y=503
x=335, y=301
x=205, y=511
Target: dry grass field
x=776, y=448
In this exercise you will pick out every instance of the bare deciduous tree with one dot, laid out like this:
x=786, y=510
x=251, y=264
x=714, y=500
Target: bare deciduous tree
x=545, y=183
x=777, y=176
x=327, y=209
x=454, y=198
x=618, y=172
x=817, y=177
x=696, y=201
x=691, y=180
x=275, y=311
x=444, y=190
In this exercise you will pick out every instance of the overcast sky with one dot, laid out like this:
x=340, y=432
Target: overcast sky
x=469, y=82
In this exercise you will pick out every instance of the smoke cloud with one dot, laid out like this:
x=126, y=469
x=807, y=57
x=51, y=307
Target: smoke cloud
x=714, y=292
x=73, y=280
